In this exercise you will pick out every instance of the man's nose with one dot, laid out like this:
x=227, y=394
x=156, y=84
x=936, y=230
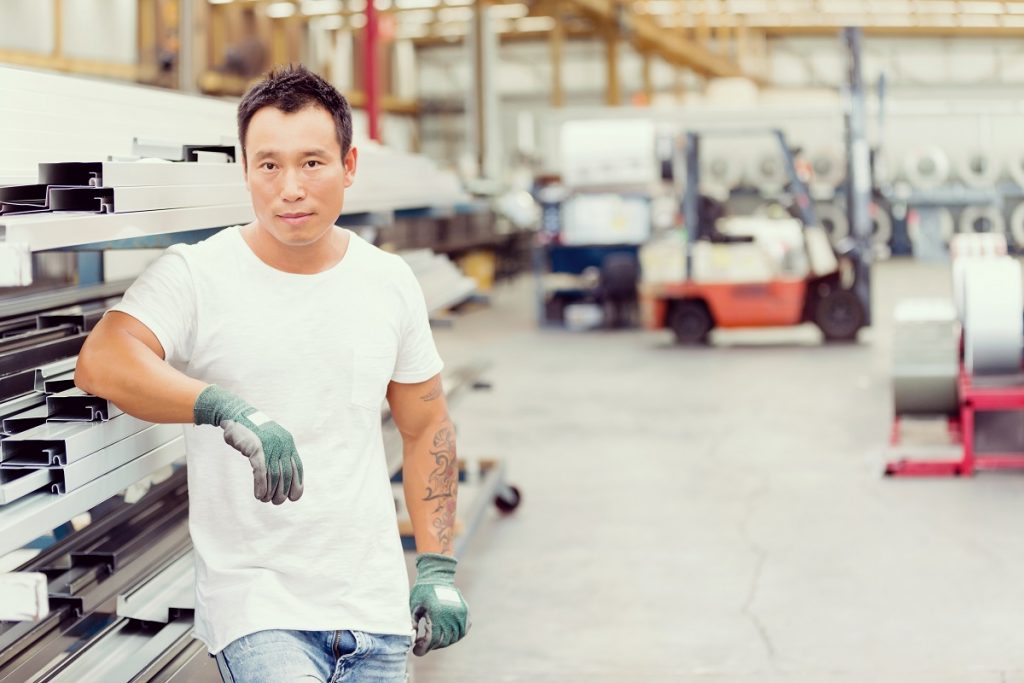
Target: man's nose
x=292, y=189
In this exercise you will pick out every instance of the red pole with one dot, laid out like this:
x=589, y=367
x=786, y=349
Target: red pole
x=370, y=82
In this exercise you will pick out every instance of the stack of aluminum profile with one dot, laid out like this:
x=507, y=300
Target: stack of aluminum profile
x=62, y=451
x=925, y=358
x=443, y=283
x=135, y=556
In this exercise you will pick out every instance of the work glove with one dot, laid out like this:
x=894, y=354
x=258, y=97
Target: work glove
x=439, y=614
x=270, y=448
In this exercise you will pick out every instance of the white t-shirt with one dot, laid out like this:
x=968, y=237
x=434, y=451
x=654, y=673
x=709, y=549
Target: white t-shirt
x=315, y=353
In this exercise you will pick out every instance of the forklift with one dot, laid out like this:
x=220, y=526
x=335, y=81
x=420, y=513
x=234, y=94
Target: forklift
x=753, y=288
x=737, y=273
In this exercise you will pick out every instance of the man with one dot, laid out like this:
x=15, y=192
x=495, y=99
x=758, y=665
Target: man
x=280, y=340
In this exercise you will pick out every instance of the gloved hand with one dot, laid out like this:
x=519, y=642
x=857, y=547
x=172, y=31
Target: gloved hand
x=439, y=614
x=276, y=467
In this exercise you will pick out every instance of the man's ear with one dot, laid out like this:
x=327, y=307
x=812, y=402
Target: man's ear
x=245, y=172
x=350, y=166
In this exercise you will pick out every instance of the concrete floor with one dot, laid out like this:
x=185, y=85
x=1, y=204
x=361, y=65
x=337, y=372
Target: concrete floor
x=718, y=514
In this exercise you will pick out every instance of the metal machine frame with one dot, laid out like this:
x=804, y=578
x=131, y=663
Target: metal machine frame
x=989, y=395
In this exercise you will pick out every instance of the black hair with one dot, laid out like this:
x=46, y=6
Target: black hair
x=291, y=88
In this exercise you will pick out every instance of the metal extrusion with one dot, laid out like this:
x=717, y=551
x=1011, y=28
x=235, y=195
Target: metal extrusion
x=56, y=231
x=15, y=484
x=16, y=405
x=120, y=653
x=74, y=405
x=32, y=338
x=40, y=513
x=110, y=174
x=59, y=383
x=84, y=319
x=59, y=367
x=169, y=592
x=41, y=354
x=61, y=298
x=25, y=420
x=76, y=475
x=18, y=384
x=62, y=443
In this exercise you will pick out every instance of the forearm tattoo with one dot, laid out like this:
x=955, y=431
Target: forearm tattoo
x=442, y=485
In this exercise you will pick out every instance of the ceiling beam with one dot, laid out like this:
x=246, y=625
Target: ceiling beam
x=645, y=34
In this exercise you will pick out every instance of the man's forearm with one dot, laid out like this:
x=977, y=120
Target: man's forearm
x=431, y=480
x=125, y=372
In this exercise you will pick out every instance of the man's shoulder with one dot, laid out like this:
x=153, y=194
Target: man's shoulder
x=378, y=260
x=212, y=247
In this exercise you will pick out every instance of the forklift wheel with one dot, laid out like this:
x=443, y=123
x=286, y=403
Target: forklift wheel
x=691, y=322
x=839, y=315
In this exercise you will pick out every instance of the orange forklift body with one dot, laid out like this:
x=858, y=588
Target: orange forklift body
x=755, y=304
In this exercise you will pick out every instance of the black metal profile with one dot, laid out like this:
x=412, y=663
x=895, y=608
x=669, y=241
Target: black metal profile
x=60, y=298
x=41, y=354
x=71, y=173
x=17, y=384
x=33, y=338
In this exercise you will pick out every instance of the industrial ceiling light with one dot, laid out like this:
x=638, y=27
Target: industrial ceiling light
x=219, y=2
x=455, y=14
x=515, y=10
x=416, y=4
x=986, y=7
x=315, y=7
x=535, y=24
x=411, y=32
x=280, y=10
x=417, y=16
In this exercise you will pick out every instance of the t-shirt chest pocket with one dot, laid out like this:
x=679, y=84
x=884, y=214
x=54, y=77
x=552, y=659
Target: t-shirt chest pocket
x=371, y=371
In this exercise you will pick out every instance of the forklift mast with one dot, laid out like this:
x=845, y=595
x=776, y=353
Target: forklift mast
x=858, y=176
x=697, y=228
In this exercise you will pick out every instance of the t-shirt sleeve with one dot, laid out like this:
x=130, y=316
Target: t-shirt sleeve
x=418, y=359
x=163, y=299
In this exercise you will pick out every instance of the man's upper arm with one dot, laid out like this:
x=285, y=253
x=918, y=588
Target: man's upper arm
x=116, y=322
x=160, y=308
x=415, y=407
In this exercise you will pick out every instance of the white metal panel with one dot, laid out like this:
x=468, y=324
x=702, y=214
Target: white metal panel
x=152, y=198
x=141, y=173
x=51, y=231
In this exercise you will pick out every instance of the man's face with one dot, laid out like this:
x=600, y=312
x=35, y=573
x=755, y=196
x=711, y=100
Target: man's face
x=295, y=173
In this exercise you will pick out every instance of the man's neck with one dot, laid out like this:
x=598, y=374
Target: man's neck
x=309, y=259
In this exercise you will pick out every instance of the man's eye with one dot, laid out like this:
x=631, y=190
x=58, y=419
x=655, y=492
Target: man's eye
x=267, y=165
x=313, y=164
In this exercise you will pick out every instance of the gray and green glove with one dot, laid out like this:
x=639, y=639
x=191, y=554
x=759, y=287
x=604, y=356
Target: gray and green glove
x=439, y=614
x=276, y=467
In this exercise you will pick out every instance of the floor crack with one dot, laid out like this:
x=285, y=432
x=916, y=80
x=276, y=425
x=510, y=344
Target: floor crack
x=763, y=487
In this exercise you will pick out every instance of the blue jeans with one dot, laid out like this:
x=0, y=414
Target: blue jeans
x=308, y=656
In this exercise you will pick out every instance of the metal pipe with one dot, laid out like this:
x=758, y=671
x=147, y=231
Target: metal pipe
x=371, y=81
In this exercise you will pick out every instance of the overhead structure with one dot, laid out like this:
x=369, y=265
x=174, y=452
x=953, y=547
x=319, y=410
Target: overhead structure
x=646, y=35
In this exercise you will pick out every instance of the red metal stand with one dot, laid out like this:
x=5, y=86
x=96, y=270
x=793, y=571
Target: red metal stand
x=972, y=400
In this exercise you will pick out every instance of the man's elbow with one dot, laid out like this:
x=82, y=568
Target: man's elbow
x=85, y=369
